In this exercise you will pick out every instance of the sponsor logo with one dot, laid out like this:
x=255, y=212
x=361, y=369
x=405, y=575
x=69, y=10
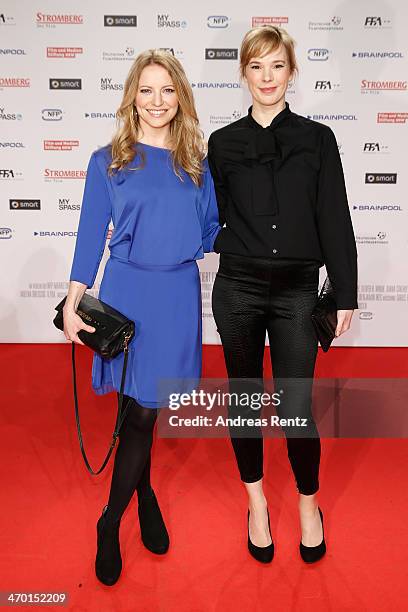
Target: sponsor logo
x=176, y=52
x=260, y=21
x=54, y=19
x=379, y=238
x=109, y=115
x=333, y=24
x=64, y=204
x=214, y=54
x=54, y=234
x=377, y=178
x=12, y=52
x=65, y=84
x=25, y=204
x=51, y=114
x=392, y=117
x=377, y=55
x=218, y=21
x=377, y=22
x=377, y=207
x=333, y=117
x=107, y=84
x=382, y=86
x=128, y=54
x=366, y=315
x=164, y=21
x=51, y=174
x=6, y=20
x=60, y=145
x=375, y=147
x=7, y=174
x=326, y=86
x=216, y=85
x=5, y=233
x=9, y=116
x=64, y=52
x=225, y=119
x=318, y=55
x=12, y=145
x=120, y=21
x=14, y=82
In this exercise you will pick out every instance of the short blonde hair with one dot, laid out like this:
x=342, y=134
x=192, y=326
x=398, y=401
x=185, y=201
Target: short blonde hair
x=262, y=40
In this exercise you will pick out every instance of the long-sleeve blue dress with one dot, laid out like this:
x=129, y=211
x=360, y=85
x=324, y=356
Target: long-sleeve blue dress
x=162, y=225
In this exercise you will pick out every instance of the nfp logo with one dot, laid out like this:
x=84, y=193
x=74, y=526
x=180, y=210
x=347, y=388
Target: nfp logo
x=318, y=55
x=51, y=114
x=65, y=84
x=376, y=178
x=217, y=21
x=5, y=233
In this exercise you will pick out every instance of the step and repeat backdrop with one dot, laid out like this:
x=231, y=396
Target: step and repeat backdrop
x=62, y=69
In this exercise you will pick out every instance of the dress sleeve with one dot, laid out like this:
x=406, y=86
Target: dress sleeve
x=220, y=189
x=211, y=226
x=335, y=226
x=93, y=226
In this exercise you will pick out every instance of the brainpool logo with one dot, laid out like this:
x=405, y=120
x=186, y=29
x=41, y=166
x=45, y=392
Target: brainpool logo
x=218, y=21
x=54, y=234
x=377, y=55
x=12, y=52
x=12, y=144
x=318, y=55
x=121, y=21
x=216, y=85
x=51, y=114
x=109, y=115
x=332, y=117
x=377, y=207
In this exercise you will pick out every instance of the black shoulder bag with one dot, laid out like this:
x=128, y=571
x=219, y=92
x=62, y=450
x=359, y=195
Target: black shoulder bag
x=324, y=315
x=113, y=332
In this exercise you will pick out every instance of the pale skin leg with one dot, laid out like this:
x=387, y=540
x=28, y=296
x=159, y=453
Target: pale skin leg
x=310, y=523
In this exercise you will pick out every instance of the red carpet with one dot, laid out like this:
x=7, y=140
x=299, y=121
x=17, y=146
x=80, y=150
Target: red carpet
x=51, y=504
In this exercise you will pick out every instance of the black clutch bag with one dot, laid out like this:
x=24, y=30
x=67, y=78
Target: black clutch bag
x=324, y=315
x=113, y=332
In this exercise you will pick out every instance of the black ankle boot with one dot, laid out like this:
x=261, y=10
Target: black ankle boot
x=152, y=528
x=108, y=562
x=261, y=553
x=310, y=554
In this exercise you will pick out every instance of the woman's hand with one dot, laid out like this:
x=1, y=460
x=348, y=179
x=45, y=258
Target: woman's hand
x=343, y=321
x=73, y=324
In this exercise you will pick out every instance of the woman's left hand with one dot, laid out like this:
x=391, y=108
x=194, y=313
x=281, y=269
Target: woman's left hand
x=343, y=321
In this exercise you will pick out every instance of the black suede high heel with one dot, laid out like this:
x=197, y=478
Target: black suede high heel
x=264, y=554
x=108, y=562
x=152, y=527
x=310, y=554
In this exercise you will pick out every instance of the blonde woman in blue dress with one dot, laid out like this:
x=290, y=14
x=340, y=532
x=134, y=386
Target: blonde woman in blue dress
x=153, y=182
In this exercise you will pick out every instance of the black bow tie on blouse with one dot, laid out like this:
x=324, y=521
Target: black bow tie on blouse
x=264, y=150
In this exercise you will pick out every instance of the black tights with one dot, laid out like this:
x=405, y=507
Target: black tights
x=131, y=470
x=252, y=296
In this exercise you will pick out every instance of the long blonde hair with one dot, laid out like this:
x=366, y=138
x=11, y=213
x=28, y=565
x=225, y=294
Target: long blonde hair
x=187, y=141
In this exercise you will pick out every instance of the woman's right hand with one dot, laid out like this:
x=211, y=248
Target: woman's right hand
x=73, y=324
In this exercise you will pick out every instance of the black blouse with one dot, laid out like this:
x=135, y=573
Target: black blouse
x=281, y=194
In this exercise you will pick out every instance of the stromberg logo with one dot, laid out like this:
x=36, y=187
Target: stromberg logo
x=58, y=19
x=215, y=85
x=377, y=207
x=164, y=21
x=213, y=54
x=375, y=147
x=12, y=145
x=25, y=204
x=5, y=233
x=337, y=117
x=109, y=115
x=377, y=55
x=51, y=114
x=54, y=234
x=217, y=21
x=107, y=84
x=12, y=52
x=64, y=52
x=318, y=55
x=333, y=24
x=14, y=82
x=383, y=86
x=324, y=86
x=64, y=174
x=9, y=116
x=375, y=178
x=121, y=21
x=260, y=21
x=74, y=84
x=377, y=22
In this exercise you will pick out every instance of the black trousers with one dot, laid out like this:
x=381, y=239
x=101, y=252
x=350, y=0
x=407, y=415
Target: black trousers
x=252, y=296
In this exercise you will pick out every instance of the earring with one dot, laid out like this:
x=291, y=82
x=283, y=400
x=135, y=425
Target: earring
x=134, y=112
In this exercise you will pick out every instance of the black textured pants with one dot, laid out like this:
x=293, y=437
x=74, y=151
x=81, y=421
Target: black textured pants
x=252, y=296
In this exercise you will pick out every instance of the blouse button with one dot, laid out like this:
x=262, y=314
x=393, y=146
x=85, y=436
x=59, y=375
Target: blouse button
x=274, y=251
x=273, y=226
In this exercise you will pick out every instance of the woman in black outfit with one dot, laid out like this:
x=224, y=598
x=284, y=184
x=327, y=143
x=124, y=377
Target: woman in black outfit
x=283, y=204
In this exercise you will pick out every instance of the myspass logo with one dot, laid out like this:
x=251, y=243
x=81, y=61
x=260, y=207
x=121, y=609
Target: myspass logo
x=164, y=21
x=120, y=21
x=108, y=84
x=51, y=114
x=5, y=116
x=214, y=54
x=217, y=21
x=5, y=233
x=65, y=204
x=25, y=204
x=318, y=55
x=377, y=178
x=66, y=84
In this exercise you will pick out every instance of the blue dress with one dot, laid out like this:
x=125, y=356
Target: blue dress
x=162, y=225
